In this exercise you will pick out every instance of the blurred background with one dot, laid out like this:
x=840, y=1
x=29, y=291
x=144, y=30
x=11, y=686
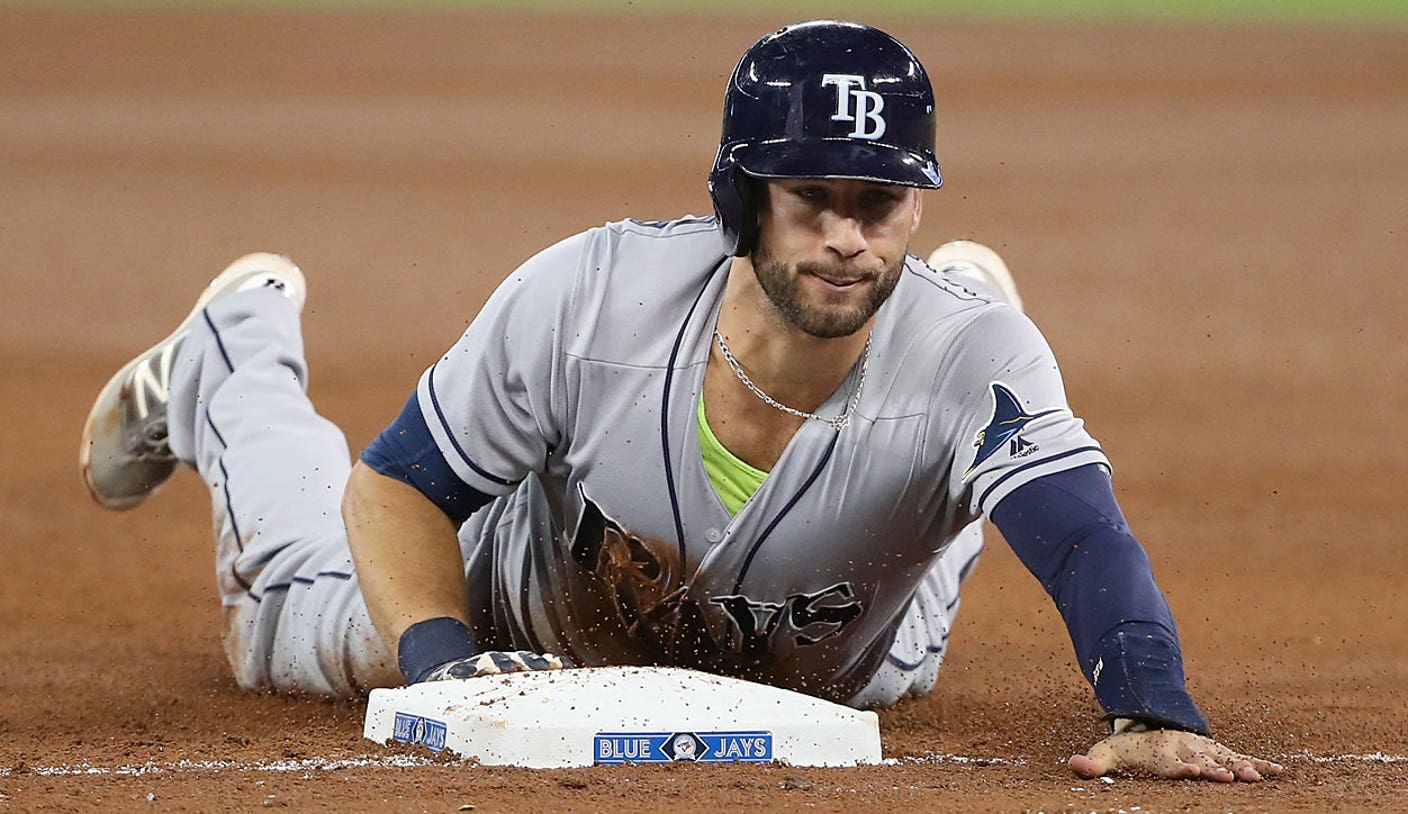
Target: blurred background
x=1205, y=203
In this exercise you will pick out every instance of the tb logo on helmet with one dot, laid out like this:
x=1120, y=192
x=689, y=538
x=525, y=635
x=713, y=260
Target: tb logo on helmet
x=868, y=105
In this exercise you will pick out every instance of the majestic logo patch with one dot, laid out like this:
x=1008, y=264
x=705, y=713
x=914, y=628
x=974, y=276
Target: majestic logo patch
x=1021, y=447
x=856, y=104
x=695, y=747
x=417, y=730
x=1008, y=419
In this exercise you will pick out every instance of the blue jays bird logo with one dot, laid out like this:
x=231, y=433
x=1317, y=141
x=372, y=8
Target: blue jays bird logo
x=1008, y=419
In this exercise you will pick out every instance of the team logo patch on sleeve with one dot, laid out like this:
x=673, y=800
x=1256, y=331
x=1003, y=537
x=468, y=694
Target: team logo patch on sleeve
x=1009, y=418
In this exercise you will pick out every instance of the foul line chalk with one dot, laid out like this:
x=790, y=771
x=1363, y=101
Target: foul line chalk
x=970, y=760
x=307, y=765
x=411, y=761
x=1373, y=757
x=967, y=760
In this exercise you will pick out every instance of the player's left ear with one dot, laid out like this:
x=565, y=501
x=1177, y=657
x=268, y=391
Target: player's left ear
x=918, y=211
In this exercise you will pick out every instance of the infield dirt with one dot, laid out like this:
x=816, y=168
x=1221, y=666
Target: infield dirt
x=1210, y=227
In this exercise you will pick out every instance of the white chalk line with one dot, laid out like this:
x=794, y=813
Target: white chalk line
x=310, y=765
x=176, y=766
x=962, y=760
x=1372, y=757
x=1305, y=754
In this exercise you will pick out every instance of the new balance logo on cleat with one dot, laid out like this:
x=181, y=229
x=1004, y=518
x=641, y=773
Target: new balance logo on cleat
x=1021, y=448
x=151, y=382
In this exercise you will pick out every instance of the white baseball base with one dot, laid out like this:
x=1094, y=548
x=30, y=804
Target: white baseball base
x=580, y=717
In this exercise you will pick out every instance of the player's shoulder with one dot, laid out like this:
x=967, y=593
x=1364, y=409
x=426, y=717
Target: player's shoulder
x=624, y=247
x=644, y=258
x=636, y=279
x=635, y=246
x=930, y=299
x=938, y=315
x=688, y=226
x=943, y=293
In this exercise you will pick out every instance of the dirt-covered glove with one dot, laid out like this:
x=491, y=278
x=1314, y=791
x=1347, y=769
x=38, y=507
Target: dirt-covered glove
x=494, y=662
x=444, y=648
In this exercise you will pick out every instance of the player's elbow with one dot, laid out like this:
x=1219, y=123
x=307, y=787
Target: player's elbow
x=355, y=495
x=368, y=494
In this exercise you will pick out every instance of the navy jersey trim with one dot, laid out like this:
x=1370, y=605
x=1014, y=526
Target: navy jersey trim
x=219, y=343
x=225, y=473
x=225, y=482
x=406, y=451
x=665, y=419
x=525, y=598
x=455, y=442
x=229, y=507
x=1068, y=453
x=284, y=586
x=757, y=544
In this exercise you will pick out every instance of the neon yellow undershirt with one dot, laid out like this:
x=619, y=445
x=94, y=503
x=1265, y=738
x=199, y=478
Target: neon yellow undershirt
x=733, y=479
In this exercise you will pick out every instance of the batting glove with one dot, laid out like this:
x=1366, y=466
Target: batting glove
x=495, y=662
x=443, y=648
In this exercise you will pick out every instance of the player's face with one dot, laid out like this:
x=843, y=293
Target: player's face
x=830, y=251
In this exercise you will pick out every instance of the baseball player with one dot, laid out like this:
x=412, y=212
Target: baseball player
x=760, y=443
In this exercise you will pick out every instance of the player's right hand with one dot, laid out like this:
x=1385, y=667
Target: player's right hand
x=494, y=662
x=1171, y=754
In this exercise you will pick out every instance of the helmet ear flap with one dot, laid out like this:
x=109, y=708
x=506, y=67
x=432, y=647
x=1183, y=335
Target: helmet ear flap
x=735, y=195
x=747, y=188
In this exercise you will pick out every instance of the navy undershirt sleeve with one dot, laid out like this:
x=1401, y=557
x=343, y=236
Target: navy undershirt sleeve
x=407, y=452
x=1068, y=530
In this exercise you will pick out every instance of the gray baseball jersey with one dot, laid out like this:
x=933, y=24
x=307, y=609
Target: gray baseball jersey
x=573, y=394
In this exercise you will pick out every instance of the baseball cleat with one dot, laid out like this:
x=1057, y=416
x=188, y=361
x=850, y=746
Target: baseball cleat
x=974, y=261
x=125, y=456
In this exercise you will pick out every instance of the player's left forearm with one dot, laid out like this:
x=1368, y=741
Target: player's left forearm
x=1068, y=530
x=407, y=554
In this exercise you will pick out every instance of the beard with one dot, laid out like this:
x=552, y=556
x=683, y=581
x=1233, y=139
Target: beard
x=783, y=285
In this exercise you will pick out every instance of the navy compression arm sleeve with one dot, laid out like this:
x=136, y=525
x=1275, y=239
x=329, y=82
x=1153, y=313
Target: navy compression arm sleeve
x=1068, y=530
x=407, y=452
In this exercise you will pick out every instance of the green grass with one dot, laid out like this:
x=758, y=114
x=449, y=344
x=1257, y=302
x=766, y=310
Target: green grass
x=1151, y=10
x=1272, y=12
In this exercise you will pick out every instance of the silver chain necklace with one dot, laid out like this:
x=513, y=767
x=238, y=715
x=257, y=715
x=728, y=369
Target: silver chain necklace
x=838, y=423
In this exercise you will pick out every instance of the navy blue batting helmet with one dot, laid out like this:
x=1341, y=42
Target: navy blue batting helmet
x=821, y=99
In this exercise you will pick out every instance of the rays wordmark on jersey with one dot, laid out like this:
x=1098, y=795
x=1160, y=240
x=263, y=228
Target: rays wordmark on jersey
x=809, y=618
